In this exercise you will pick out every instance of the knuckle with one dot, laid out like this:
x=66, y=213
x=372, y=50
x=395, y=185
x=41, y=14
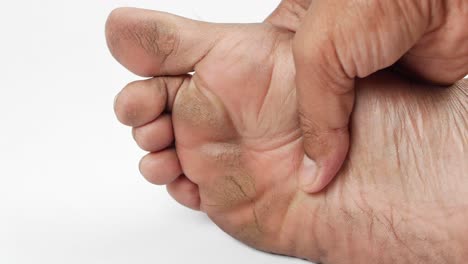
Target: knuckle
x=317, y=135
x=310, y=130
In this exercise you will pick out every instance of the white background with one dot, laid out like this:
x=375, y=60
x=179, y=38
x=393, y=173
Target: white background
x=70, y=190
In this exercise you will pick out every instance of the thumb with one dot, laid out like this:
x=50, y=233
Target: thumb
x=338, y=41
x=151, y=43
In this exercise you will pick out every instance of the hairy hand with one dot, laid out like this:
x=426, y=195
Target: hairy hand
x=341, y=40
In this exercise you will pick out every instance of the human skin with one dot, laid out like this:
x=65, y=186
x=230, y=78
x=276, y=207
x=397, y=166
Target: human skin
x=401, y=196
x=341, y=40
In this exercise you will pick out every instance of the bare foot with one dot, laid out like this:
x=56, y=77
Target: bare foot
x=238, y=147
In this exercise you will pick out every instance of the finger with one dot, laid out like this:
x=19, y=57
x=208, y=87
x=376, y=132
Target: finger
x=289, y=13
x=432, y=69
x=334, y=46
x=151, y=43
x=185, y=192
x=161, y=167
x=441, y=56
x=141, y=102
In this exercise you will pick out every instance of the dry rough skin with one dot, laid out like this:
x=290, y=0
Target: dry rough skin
x=401, y=196
x=400, y=193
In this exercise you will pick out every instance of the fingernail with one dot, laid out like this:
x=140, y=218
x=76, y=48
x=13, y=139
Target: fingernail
x=309, y=172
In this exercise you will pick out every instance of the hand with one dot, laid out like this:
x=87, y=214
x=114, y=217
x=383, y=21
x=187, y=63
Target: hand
x=341, y=40
x=238, y=145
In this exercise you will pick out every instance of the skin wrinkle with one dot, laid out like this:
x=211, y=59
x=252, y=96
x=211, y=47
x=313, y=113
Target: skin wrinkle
x=393, y=230
x=293, y=204
x=381, y=10
x=251, y=200
x=233, y=180
x=437, y=152
x=349, y=57
x=227, y=155
x=291, y=242
x=197, y=108
x=291, y=93
x=396, y=135
x=162, y=89
x=417, y=171
x=354, y=218
x=272, y=70
x=407, y=134
x=281, y=140
x=320, y=250
x=326, y=243
x=463, y=139
x=257, y=223
x=230, y=195
x=255, y=212
x=460, y=107
x=146, y=41
x=267, y=65
x=271, y=99
x=296, y=8
x=408, y=9
x=202, y=86
x=368, y=211
x=347, y=75
x=303, y=4
x=155, y=38
x=313, y=216
x=184, y=82
x=447, y=20
x=269, y=135
x=289, y=13
x=112, y=38
x=424, y=241
x=437, y=10
x=358, y=215
x=265, y=202
x=411, y=133
x=241, y=181
x=202, y=108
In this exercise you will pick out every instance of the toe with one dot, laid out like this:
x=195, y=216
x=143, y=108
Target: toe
x=161, y=167
x=156, y=135
x=141, y=102
x=185, y=192
x=152, y=43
